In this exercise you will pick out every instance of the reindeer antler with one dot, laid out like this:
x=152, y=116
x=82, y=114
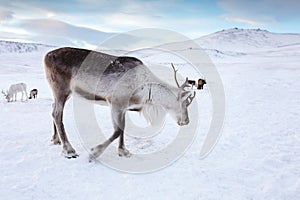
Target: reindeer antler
x=185, y=84
x=175, y=77
x=190, y=98
x=3, y=92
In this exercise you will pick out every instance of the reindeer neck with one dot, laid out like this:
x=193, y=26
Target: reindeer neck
x=160, y=94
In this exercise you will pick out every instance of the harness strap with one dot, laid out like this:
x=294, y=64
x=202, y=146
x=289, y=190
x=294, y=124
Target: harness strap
x=149, y=100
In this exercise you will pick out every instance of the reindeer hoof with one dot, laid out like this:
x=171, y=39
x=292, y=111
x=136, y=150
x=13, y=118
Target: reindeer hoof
x=124, y=152
x=97, y=151
x=71, y=155
x=91, y=158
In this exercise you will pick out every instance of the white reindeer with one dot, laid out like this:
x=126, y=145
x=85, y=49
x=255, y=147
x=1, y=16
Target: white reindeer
x=13, y=90
x=124, y=83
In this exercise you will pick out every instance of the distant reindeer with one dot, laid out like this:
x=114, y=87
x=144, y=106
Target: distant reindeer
x=13, y=90
x=201, y=83
x=124, y=83
x=33, y=94
x=192, y=82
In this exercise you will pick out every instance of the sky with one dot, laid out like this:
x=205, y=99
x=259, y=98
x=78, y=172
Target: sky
x=86, y=22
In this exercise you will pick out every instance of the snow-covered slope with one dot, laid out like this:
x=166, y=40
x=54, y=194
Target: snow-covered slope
x=18, y=47
x=257, y=156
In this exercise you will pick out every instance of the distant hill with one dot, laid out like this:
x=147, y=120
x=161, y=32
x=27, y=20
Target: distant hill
x=231, y=42
x=18, y=47
x=239, y=42
x=247, y=40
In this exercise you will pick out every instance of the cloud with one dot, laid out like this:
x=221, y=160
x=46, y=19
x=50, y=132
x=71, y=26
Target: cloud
x=266, y=12
x=56, y=32
x=243, y=20
x=122, y=20
x=81, y=22
x=112, y=16
x=6, y=16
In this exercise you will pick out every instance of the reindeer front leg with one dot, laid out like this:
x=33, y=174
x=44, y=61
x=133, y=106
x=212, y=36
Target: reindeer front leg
x=119, y=122
x=118, y=117
x=122, y=150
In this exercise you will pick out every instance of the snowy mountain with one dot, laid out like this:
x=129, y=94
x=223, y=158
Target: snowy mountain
x=230, y=42
x=240, y=42
x=18, y=47
x=247, y=40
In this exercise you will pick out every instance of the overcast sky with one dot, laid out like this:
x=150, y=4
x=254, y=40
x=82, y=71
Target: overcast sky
x=61, y=22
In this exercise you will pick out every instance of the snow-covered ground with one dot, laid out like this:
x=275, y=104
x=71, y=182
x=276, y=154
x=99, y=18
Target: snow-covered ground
x=257, y=156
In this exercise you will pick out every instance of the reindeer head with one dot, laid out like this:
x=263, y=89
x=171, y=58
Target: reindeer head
x=184, y=99
x=6, y=95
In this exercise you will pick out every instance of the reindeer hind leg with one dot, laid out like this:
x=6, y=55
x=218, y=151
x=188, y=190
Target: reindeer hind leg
x=55, y=137
x=57, y=114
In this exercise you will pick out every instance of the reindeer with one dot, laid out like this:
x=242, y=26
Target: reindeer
x=192, y=82
x=11, y=94
x=124, y=83
x=33, y=93
x=201, y=83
